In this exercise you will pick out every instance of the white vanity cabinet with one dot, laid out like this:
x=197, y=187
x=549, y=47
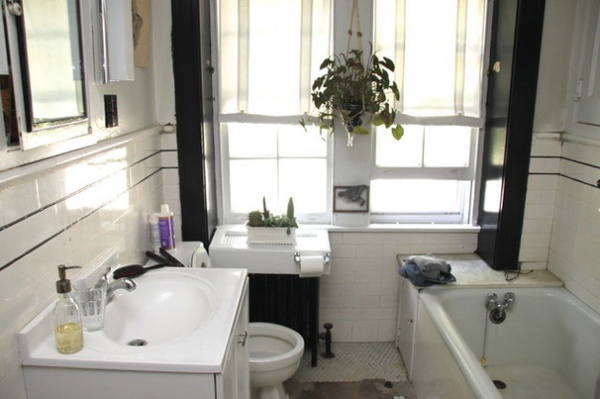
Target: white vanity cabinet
x=408, y=307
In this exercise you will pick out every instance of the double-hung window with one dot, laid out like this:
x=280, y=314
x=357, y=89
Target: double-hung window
x=438, y=49
x=269, y=53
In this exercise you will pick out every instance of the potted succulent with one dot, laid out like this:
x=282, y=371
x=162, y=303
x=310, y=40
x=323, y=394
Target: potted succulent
x=264, y=227
x=356, y=93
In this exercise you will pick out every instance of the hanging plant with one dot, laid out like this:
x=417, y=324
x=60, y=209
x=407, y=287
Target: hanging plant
x=356, y=94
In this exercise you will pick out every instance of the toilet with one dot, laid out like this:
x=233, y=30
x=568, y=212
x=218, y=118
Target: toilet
x=275, y=353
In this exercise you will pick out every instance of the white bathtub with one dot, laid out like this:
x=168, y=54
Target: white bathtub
x=548, y=346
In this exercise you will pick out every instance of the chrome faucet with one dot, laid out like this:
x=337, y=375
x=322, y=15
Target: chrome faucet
x=120, y=284
x=498, y=307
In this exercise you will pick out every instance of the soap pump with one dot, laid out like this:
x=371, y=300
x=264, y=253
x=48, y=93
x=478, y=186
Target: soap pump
x=68, y=324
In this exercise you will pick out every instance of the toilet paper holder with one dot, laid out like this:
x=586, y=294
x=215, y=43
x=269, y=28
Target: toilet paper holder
x=298, y=260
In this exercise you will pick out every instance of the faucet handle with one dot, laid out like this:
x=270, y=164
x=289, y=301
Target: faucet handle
x=509, y=299
x=491, y=300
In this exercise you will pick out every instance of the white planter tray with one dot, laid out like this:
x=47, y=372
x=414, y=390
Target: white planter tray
x=271, y=235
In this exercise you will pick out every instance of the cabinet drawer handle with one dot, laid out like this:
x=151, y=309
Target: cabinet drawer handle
x=242, y=338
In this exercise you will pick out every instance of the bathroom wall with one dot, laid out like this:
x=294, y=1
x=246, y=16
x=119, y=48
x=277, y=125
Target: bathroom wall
x=73, y=208
x=575, y=244
x=562, y=215
x=360, y=296
x=72, y=214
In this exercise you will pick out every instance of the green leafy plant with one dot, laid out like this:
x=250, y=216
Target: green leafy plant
x=356, y=93
x=266, y=219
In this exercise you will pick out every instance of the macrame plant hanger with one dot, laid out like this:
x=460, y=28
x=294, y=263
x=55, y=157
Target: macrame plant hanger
x=354, y=19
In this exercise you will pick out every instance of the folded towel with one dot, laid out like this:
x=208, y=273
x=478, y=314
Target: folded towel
x=430, y=266
x=424, y=270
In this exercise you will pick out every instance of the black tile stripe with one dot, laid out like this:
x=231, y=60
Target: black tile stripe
x=91, y=212
x=589, y=165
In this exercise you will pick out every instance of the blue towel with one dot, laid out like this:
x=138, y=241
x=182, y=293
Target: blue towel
x=424, y=271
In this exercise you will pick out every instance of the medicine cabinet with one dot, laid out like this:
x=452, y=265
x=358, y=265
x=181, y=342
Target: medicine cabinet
x=44, y=92
x=52, y=52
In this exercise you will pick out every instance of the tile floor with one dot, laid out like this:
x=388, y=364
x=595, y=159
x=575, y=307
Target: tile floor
x=370, y=370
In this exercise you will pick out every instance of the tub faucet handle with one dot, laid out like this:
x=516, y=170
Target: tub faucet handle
x=491, y=301
x=509, y=299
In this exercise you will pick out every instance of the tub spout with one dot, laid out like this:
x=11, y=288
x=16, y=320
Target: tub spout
x=497, y=315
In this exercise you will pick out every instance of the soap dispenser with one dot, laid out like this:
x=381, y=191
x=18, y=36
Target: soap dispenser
x=68, y=324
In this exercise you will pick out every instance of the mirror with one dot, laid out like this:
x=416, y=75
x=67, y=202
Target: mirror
x=46, y=70
x=49, y=40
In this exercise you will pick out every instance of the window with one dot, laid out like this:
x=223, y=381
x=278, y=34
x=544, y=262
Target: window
x=267, y=65
x=277, y=162
x=438, y=48
x=266, y=69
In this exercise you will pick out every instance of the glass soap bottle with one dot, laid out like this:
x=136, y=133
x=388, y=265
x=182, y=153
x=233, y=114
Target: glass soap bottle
x=68, y=324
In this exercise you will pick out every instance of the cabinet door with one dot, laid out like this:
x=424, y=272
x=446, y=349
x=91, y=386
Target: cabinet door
x=587, y=108
x=234, y=383
x=407, y=318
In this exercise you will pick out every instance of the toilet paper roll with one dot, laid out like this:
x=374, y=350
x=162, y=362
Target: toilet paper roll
x=311, y=266
x=201, y=259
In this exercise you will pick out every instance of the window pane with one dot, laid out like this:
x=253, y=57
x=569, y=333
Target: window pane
x=417, y=196
x=306, y=181
x=252, y=140
x=250, y=180
x=294, y=141
x=273, y=76
x=447, y=146
x=430, y=55
x=406, y=152
x=269, y=53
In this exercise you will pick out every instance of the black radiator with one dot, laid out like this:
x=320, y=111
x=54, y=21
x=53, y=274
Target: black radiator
x=290, y=301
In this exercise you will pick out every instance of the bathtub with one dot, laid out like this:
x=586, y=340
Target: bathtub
x=547, y=347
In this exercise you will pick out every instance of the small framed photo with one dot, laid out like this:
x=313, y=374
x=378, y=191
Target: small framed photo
x=351, y=198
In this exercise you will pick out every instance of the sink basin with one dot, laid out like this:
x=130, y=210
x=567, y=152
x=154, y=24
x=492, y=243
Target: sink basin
x=164, y=307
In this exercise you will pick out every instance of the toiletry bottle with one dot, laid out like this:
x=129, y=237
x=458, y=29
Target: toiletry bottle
x=155, y=231
x=68, y=325
x=166, y=227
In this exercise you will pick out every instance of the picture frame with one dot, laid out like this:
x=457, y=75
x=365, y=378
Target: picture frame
x=351, y=199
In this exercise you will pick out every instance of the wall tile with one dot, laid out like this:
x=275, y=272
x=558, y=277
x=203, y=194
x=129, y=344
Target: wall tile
x=76, y=212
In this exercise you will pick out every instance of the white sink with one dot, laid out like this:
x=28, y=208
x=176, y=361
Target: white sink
x=182, y=317
x=164, y=307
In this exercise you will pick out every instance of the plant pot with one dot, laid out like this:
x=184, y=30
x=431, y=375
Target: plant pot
x=355, y=114
x=271, y=235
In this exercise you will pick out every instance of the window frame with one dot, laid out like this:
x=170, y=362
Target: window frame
x=341, y=173
x=230, y=217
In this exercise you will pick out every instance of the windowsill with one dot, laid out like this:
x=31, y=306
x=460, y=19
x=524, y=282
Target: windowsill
x=394, y=228
x=406, y=228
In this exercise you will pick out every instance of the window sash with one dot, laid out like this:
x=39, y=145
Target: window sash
x=280, y=167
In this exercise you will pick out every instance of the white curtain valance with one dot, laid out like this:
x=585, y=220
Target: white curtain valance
x=438, y=49
x=270, y=54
